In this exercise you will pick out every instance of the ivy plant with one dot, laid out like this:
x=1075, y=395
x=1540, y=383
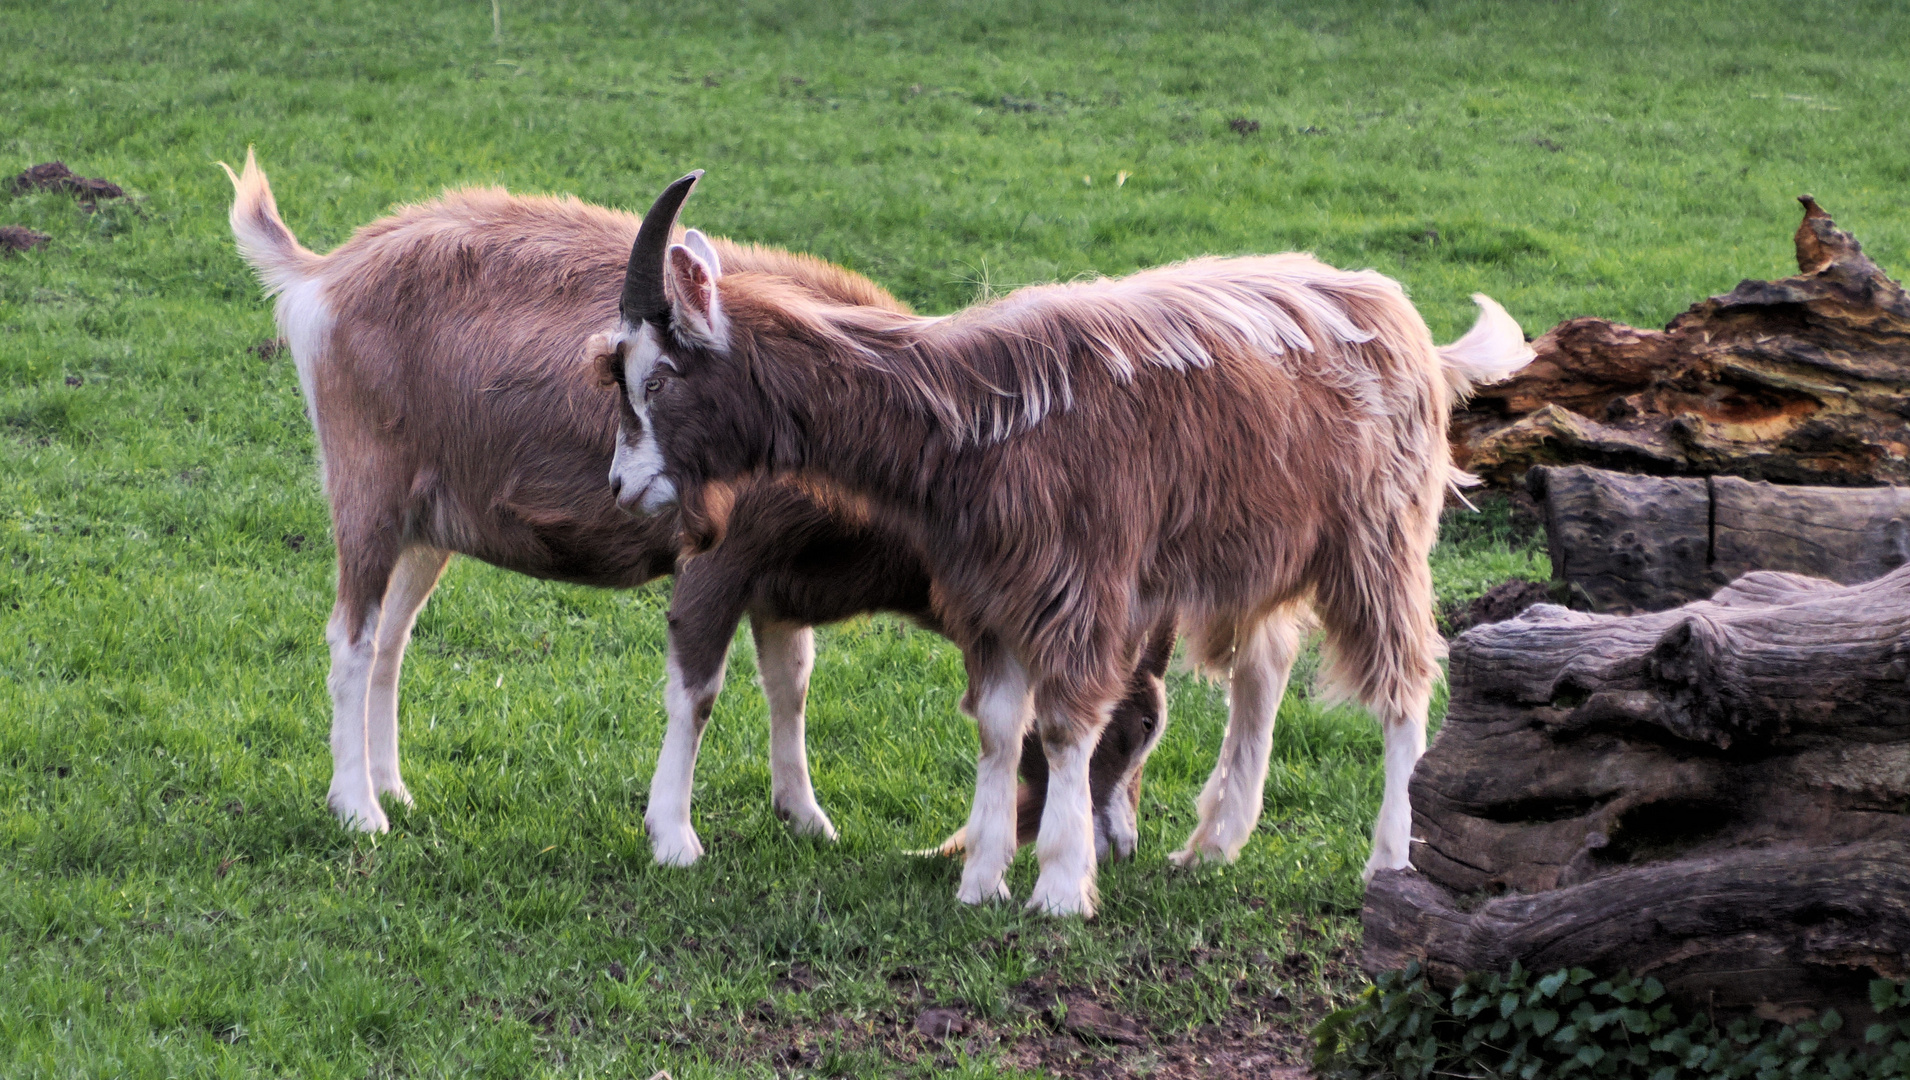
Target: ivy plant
x=1573, y=1024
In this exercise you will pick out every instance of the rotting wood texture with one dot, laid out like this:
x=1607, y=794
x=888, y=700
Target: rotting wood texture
x=1717, y=796
x=1805, y=380
x=1623, y=543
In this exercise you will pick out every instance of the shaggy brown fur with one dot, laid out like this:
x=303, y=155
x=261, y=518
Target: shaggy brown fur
x=441, y=351
x=1216, y=442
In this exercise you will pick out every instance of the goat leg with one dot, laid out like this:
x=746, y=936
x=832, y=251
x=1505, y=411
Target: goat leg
x=1229, y=804
x=785, y=655
x=1405, y=731
x=998, y=700
x=1065, y=846
x=412, y=581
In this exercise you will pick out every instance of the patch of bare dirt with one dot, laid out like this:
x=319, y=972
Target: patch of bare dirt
x=55, y=176
x=20, y=238
x=1501, y=602
x=1059, y=1030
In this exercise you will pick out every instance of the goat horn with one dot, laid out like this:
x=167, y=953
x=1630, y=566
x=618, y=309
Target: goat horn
x=643, y=297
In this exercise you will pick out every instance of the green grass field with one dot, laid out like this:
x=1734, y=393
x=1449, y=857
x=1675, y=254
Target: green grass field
x=173, y=898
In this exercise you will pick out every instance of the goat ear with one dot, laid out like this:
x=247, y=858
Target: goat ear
x=604, y=355
x=701, y=247
x=696, y=310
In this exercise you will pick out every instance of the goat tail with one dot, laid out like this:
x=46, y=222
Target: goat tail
x=264, y=241
x=1493, y=349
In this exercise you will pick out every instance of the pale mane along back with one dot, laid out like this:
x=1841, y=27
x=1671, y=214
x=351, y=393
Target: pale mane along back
x=1000, y=368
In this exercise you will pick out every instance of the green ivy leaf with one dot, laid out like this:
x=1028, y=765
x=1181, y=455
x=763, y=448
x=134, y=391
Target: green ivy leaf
x=1884, y=994
x=1546, y=1028
x=1328, y=1033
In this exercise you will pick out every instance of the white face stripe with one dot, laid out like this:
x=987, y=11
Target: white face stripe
x=637, y=471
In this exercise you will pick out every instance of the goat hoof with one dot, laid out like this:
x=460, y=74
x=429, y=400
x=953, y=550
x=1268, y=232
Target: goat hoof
x=982, y=894
x=396, y=791
x=682, y=849
x=809, y=821
x=1378, y=862
x=1064, y=901
x=1191, y=856
x=359, y=816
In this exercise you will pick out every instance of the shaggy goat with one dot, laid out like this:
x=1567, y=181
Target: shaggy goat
x=1223, y=442
x=441, y=356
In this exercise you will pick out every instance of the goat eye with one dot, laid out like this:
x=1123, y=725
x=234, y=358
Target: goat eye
x=1147, y=723
x=651, y=386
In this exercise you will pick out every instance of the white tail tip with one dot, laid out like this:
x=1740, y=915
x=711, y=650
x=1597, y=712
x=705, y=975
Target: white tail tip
x=1493, y=349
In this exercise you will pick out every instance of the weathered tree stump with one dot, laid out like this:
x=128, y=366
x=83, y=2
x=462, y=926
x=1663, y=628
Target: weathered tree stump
x=1623, y=543
x=1718, y=796
x=1804, y=380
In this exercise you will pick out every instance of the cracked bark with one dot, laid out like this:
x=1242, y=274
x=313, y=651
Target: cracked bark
x=1718, y=796
x=1805, y=380
x=1623, y=543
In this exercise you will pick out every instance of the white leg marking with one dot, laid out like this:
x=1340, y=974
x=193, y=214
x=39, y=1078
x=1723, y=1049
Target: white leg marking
x=353, y=798
x=1065, y=846
x=411, y=583
x=673, y=841
x=785, y=655
x=1405, y=742
x=1229, y=804
x=1001, y=713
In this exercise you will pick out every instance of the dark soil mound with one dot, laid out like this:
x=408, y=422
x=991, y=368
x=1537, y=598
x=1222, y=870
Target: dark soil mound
x=55, y=176
x=20, y=238
x=1501, y=602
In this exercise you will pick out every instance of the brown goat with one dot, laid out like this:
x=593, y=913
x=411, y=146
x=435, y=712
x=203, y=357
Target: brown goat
x=441, y=356
x=1223, y=442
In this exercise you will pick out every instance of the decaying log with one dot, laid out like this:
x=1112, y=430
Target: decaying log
x=1623, y=543
x=1804, y=380
x=1718, y=796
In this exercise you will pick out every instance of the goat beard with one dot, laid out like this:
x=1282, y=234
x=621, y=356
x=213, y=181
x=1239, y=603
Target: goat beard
x=705, y=515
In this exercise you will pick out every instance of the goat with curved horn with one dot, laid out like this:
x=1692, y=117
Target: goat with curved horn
x=643, y=298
